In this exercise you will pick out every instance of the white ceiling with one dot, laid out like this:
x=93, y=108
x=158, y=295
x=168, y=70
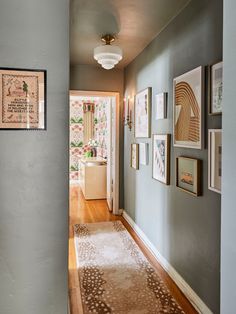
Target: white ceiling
x=134, y=22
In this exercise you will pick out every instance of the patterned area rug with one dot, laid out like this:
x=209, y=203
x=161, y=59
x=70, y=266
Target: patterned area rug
x=115, y=276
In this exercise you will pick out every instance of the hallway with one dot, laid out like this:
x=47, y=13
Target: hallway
x=82, y=211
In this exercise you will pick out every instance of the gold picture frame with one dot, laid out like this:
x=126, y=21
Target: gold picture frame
x=161, y=158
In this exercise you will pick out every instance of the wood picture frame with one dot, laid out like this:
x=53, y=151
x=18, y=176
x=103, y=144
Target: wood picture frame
x=214, y=160
x=142, y=114
x=215, y=88
x=161, y=158
x=23, y=99
x=188, y=109
x=188, y=175
x=134, y=158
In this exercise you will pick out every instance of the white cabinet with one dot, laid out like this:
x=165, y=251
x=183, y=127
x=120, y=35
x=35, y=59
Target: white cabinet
x=93, y=178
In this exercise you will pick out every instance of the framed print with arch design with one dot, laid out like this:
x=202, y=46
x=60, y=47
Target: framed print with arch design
x=188, y=109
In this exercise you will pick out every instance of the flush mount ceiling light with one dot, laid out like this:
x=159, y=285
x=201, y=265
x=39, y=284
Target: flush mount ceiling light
x=106, y=55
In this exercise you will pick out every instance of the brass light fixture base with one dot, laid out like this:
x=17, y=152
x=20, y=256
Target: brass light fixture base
x=108, y=39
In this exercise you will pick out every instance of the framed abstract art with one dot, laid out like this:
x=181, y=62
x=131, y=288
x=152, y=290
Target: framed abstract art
x=142, y=114
x=188, y=109
x=134, y=162
x=22, y=99
x=161, y=106
x=161, y=158
x=216, y=89
x=188, y=175
x=214, y=160
x=143, y=153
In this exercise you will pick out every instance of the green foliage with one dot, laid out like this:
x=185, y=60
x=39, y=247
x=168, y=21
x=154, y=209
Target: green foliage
x=74, y=168
x=88, y=154
x=76, y=144
x=95, y=120
x=76, y=120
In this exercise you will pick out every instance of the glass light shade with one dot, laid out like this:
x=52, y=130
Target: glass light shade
x=108, y=56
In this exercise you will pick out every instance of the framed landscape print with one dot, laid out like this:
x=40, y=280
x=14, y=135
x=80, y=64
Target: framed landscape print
x=22, y=99
x=188, y=175
x=143, y=154
x=216, y=88
x=142, y=114
x=188, y=109
x=161, y=106
x=161, y=158
x=135, y=156
x=214, y=160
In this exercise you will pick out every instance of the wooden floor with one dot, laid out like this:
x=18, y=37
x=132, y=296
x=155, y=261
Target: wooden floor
x=82, y=211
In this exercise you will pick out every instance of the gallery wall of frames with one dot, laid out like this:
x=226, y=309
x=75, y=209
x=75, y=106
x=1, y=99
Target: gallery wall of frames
x=192, y=92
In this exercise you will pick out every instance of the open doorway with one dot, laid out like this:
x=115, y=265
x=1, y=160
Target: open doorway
x=94, y=145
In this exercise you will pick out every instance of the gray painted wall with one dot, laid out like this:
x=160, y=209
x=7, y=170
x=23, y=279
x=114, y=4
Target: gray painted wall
x=34, y=165
x=228, y=230
x=94, y=78
x=185, y=229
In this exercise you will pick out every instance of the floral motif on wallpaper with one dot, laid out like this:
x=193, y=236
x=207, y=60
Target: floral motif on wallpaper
x=77, y=146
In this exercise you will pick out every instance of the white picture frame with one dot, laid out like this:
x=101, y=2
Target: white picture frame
x=188, y=100
x=161, y=106
x=214, y=160
x=143, y=154
x=142, y=114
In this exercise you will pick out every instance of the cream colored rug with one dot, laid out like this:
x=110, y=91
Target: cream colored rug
x=115, y=276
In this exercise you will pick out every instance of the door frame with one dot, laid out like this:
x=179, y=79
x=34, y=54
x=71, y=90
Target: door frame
x=116, y=210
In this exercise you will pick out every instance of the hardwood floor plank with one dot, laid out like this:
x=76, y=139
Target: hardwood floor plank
x=82, y=211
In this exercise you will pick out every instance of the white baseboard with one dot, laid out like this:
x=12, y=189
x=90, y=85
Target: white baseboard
x=198, y=304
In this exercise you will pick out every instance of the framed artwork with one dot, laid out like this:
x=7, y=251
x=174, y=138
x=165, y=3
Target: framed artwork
x=161, y=106
x=214, y=160
x=135, y=156
x=142, y=114
x=161, y=158
x=143, y=154
x=188, y=109
x=216, y=88
x=188, y=175
x=22, y=99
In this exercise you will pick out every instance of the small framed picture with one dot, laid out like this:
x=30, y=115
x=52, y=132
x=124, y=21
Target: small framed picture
x=161, y=158
x=161, y=106
x=142, y=114
x=143, y=154
x=22, y=99
x=214, y=160
x=135, y=156
x=188, y=109
x=188, y=175
x=216, y=89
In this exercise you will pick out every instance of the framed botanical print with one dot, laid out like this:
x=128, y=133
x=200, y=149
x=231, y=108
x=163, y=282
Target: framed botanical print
x=161, y=106
x=143, y=154
x=188, y=175
x=214, y=160
x=142, y=114
x=135, y=156
x=216, y=88
x=188, y=109
x=22, y=99
x=161, y=158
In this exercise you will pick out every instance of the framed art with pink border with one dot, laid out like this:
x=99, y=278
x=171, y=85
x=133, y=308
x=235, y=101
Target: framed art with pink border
x=22, y=99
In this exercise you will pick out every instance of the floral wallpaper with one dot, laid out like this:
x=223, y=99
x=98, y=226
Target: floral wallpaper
x=77, y=145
